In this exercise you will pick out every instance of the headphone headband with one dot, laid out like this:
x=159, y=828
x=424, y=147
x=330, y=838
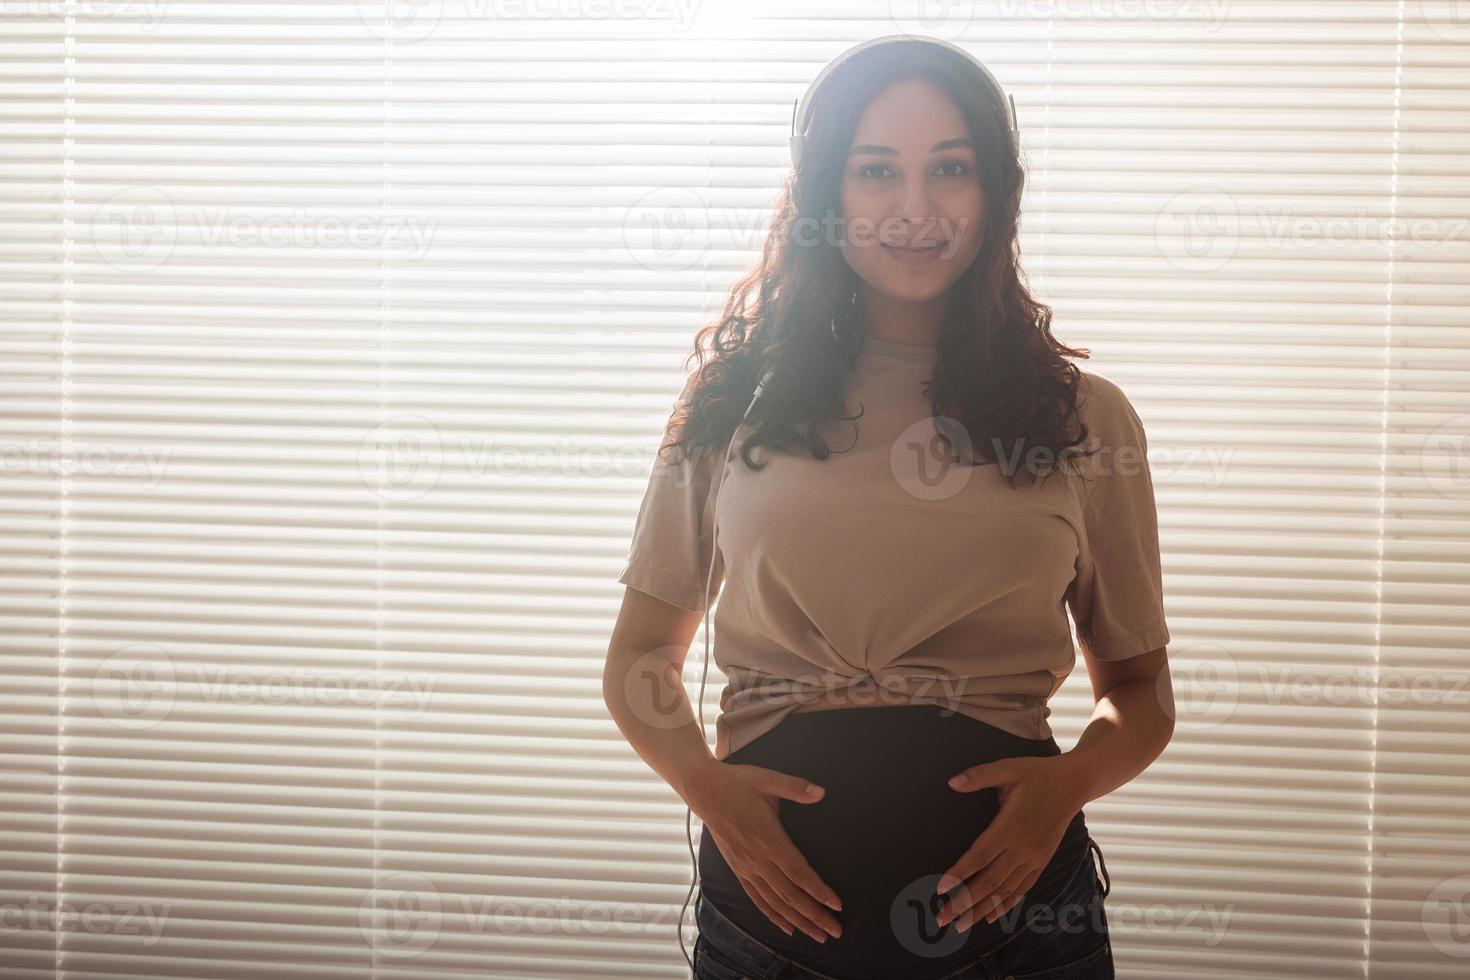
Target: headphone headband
x=801, y=112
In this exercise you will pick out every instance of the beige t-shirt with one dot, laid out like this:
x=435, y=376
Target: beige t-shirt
x=891, y=574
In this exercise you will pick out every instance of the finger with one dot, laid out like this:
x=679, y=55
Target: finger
x=976, y=891
x=983, y=776
x=822, y=922
x=773, y=893
x=792, y=788
x=796, y=867
x=757, y=894
x=774, y=899
x=992, y=906
x=977, y=857
x=1010, y=901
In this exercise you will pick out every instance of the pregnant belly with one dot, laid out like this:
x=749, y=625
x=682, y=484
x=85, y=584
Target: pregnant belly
x=887, y=827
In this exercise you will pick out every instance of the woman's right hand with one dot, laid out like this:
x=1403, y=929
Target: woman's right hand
x=740, y=807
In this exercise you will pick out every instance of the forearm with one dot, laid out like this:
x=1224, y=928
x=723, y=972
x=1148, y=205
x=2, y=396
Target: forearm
x=1129, y=728
x=648, y=703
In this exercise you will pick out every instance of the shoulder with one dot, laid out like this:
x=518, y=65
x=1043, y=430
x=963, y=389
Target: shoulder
x=1101, y=397
x=1106, y=409
x=1115, y=434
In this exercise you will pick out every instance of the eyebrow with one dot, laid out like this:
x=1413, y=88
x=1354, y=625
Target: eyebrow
x=888, y=151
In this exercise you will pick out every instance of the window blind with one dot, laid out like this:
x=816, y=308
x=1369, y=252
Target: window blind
x=339, y=337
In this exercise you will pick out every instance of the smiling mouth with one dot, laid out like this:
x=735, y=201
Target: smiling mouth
x=916, y=248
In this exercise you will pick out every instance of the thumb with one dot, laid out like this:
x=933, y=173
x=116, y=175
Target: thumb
x=791, y=787
x=979, y=777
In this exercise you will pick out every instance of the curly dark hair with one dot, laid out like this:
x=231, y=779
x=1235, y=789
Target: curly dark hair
x=999, y=371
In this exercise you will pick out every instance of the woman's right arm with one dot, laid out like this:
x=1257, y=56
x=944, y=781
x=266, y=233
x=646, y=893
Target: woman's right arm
x=739, y=804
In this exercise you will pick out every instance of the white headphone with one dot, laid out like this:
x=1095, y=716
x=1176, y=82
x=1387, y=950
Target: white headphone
x=800, y=121
x=801, y=112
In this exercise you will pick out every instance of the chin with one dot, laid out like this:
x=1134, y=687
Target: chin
x=913, y=292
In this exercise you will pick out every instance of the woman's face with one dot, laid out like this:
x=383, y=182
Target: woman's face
x=912, y=179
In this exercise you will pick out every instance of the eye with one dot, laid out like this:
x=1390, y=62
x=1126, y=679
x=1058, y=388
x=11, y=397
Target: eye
x=964, y=167
x=863, y=171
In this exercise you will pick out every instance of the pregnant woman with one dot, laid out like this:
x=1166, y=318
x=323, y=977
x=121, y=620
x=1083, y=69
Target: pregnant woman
x=920, y=489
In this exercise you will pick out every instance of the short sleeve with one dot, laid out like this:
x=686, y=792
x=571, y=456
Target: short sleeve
x=1117, y=596
x=673, y=538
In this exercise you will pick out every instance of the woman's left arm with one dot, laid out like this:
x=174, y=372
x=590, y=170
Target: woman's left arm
x=1131, y=723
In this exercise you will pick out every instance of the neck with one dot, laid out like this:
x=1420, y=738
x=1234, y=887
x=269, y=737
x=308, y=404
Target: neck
x=901, y=321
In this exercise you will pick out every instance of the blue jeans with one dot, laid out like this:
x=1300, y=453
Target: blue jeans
x=1065, y=938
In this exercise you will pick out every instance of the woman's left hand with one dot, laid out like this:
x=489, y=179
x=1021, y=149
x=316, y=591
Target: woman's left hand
x=1037, y=801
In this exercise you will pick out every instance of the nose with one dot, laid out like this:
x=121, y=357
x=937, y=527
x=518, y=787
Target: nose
x=913, y=217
